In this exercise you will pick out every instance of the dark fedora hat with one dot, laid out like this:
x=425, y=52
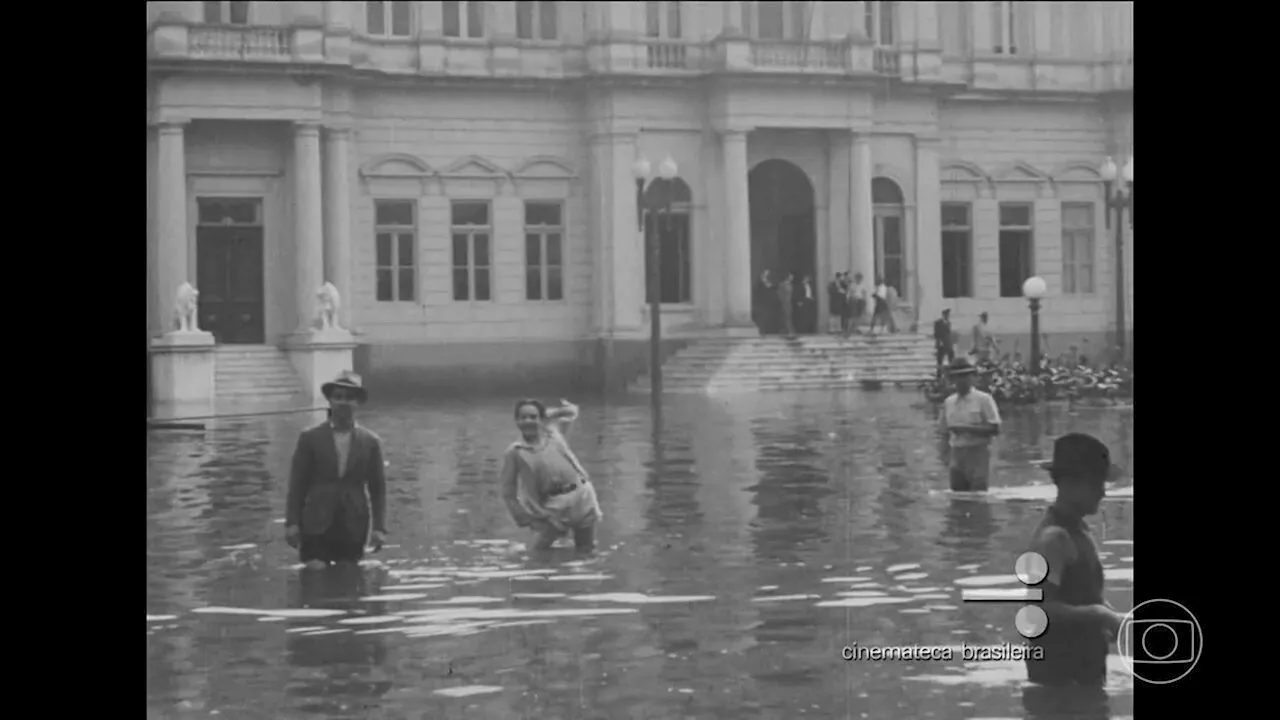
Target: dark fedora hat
x=1080, y=456
x=349, y=380
x=961, y=366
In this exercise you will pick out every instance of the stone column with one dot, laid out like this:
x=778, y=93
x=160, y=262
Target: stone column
x=863, y=220
x=618, y=286
x=981, y=17
x=172, y=243
x=737, y=260
x=1042, y=27
x=839, y=195
x=928, y=260
x=337, y=237
x=308, y=223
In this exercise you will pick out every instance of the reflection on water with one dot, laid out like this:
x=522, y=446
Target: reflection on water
x=745, y=542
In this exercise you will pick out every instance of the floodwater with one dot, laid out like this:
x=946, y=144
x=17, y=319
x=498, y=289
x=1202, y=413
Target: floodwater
x=740, y=552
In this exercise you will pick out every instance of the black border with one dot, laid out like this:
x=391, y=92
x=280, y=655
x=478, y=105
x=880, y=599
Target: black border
x=1212, y=136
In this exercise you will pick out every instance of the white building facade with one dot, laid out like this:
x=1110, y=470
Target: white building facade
x=462, y=172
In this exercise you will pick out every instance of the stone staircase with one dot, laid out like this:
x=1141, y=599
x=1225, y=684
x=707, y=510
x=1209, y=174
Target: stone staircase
x=726, y=365
x=252, y=374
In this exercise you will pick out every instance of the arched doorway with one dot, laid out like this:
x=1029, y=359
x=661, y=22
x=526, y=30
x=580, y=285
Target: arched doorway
x=673, y=234
x=783, y=238
x=890, y=225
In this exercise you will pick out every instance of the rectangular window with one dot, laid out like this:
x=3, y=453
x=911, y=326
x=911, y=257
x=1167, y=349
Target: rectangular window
x=957, y=250
x=878, y=17
x=662, y=19
x=1003, y=28
x=395, y=240
x=463, y=18
x=537, y=20
x=1016, y=238
x=388, y=19
x=543, y=251
x=230, y=13
x=1077, y=248
x=472, y=261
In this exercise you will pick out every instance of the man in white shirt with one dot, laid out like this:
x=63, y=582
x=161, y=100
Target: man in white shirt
x=972, y=419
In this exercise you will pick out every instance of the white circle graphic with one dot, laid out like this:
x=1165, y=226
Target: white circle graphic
x=1160, y=667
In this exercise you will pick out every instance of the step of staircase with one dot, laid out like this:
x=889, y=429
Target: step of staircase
x=253, y=373
x=716, y=365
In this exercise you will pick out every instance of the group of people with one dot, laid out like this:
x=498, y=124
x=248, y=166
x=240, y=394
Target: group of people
x=850, y=299
x=337, y=497
x=336, y=505
x=780, y=306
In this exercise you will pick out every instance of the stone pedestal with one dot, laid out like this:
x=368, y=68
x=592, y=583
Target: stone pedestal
x=318, y=356
x=182, y=374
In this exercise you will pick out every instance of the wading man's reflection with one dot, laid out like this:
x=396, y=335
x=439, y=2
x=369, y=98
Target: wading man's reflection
x=336, y=672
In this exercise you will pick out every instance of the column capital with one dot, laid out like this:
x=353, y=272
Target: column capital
x=928, y=141
x=602, y=138
x=861, y=137
x=338, y=132
x=734, y=134
x=170, y=127
x=306, y=127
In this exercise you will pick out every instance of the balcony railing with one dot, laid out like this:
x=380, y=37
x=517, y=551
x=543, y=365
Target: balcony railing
x=781, y=54
x=887, y=62
x=663, y=55
x=239, y=43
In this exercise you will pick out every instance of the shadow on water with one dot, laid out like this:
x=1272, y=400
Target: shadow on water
x=745, y=542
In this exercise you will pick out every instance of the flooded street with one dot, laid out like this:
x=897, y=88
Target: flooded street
x=740, y=551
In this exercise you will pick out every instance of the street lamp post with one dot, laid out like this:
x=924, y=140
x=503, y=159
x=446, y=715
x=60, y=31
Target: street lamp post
x=1034, y=289
x=655, y=200
x=1118, y=185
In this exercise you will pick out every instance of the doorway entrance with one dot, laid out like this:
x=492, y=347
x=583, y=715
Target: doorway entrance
x=890, y=240
x=783, y=233
x=229, y=269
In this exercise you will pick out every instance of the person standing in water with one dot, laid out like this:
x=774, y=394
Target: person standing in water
x=1082, y=625
x=972, y=419
x=337, y=489
x=543, y=484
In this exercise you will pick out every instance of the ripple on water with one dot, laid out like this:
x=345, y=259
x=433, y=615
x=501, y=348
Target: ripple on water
x=863, y=601
x=782, y=598
x=642, y=599
x=537, y=596
x=863, y=593
x=393, y=597
x=371, y=620
x=468, y=690
x=901, y=567
x=987, y=580
x=161, y=618
x=464, y=600
x=907, y=577
x=853, y=579
x=290, y=613
x=419, y=586
x=1118, y=574
x=564, y=578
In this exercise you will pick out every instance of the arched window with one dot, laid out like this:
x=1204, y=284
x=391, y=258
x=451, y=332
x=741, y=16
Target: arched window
x=673, y=232
x=890, y=234
x=662, y=19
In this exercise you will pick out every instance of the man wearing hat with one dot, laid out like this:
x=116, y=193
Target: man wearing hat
x=1081, y=623
x=972, y=419
x=337, y=491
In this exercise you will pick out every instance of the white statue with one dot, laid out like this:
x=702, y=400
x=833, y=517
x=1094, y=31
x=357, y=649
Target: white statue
x=330, y=301
x=185, y=309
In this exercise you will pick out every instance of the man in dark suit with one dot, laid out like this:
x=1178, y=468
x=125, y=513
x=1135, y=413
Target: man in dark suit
x=943, y=340
x=337, y=490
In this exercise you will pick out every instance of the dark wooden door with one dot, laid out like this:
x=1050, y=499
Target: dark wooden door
x=230, y=275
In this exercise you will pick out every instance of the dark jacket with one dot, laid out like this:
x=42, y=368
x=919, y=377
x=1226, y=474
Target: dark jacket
x=318, y=492
x=942, y=333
